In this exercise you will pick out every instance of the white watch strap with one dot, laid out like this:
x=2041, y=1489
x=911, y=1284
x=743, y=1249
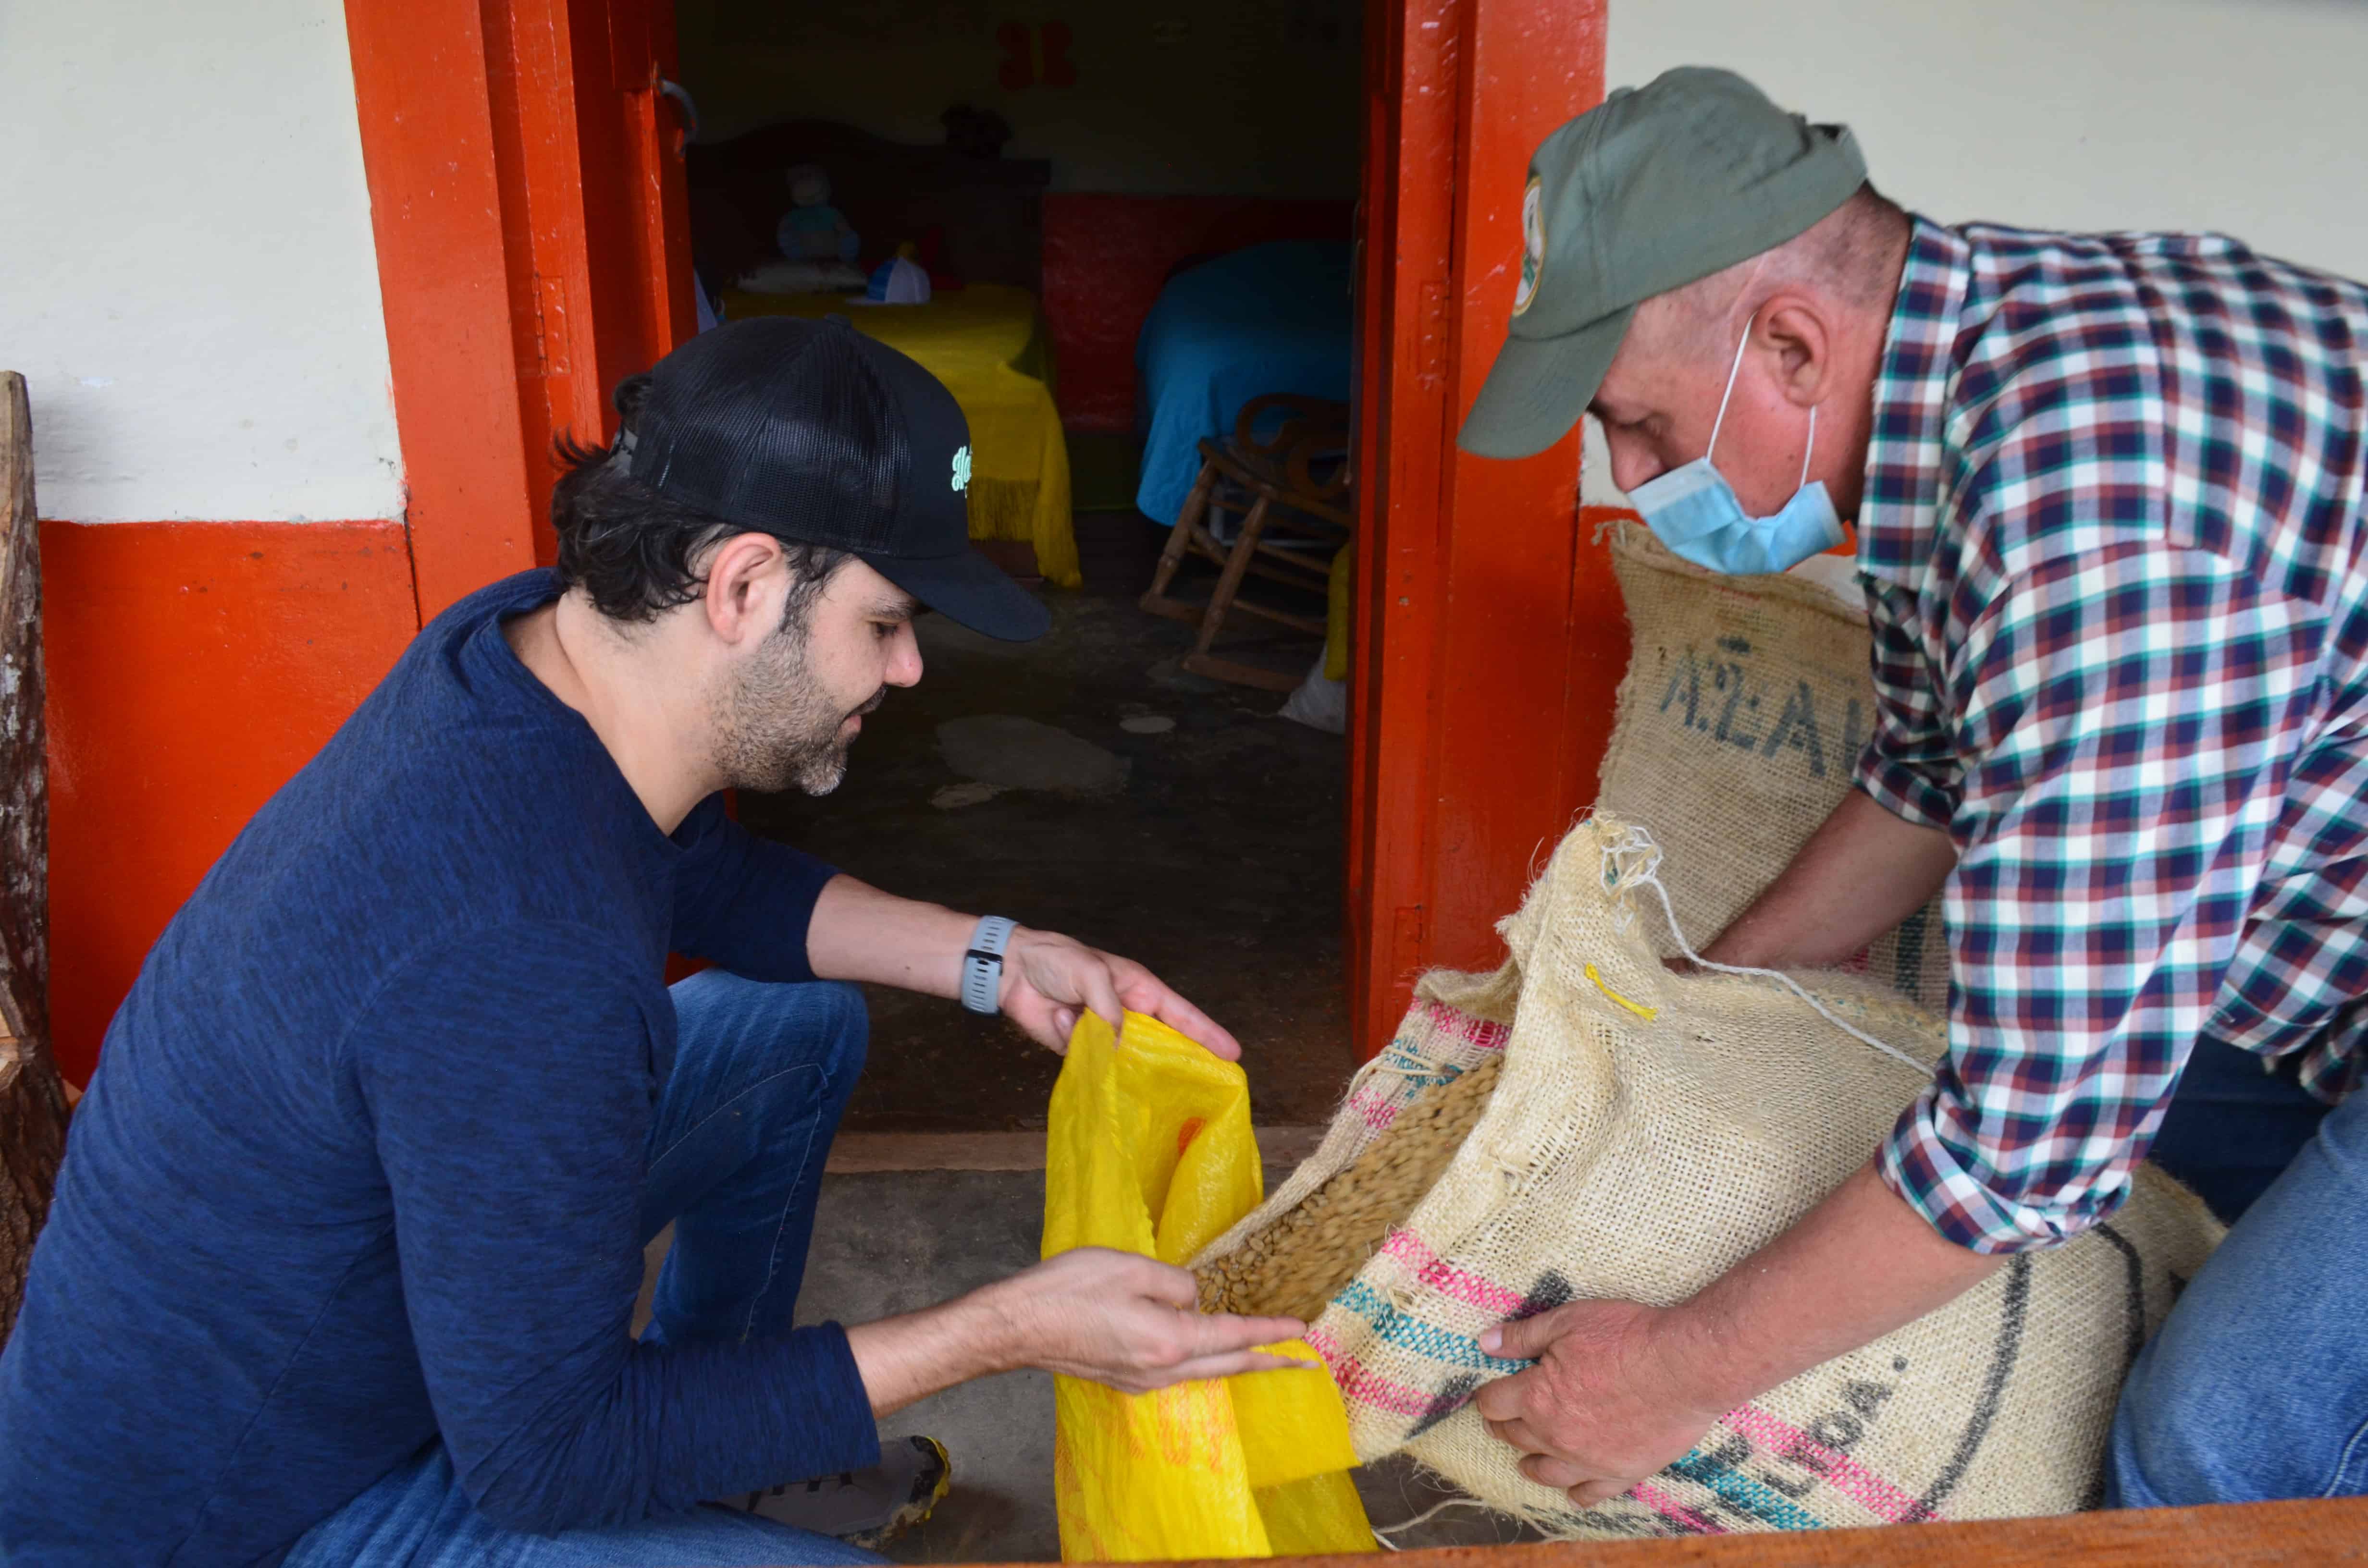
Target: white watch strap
x=982, y=982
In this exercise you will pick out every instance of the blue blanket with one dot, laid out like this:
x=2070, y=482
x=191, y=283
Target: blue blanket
x=1270, y=318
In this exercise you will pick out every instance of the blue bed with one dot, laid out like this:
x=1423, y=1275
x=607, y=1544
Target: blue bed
x=1270, y=318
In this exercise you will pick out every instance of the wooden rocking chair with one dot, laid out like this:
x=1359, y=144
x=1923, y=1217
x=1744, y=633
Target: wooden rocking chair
x=1291, y=492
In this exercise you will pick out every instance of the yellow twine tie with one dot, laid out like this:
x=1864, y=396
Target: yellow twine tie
x=1647, y=1013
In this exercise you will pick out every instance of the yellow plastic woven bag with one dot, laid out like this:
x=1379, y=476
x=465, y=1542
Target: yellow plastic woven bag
x=1150, y=1152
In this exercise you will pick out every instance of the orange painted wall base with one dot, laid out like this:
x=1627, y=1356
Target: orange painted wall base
x=192, y=668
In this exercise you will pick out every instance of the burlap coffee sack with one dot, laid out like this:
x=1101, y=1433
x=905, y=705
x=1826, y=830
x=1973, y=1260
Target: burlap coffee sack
x=1747, y=702
x=1648, y=1130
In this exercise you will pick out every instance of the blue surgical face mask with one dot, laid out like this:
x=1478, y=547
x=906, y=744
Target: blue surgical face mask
x=1693, y=510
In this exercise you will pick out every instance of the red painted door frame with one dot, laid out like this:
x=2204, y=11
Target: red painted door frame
x=533, y=245
x=1491, y=638
x=533, y=248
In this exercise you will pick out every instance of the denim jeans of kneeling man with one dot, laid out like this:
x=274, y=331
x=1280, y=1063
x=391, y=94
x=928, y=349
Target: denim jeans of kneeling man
x=741, y=1132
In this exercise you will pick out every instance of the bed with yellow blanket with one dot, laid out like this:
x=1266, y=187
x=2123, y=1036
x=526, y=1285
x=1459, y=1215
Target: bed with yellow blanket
x=987, y=343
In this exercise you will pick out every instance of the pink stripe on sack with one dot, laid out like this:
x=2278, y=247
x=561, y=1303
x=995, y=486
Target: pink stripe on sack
x=1379, y=1108
x=1363, y=1386
x=1323, y=1344
x=1838, y=1469
x=1690, y=1520
x=1476, y=1032
x=1377, y=1111
x=1456, y=1284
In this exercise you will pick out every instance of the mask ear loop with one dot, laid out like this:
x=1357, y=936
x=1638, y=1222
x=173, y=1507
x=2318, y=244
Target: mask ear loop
x=1733, y=370
x=1718, y=424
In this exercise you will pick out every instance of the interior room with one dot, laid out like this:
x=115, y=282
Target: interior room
x=1129, y=223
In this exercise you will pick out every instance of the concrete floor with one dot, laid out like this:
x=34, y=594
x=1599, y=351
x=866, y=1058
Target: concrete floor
x=892, y=1242
x=1083, y=783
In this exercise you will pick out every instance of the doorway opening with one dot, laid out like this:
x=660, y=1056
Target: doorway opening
x=1130, y=223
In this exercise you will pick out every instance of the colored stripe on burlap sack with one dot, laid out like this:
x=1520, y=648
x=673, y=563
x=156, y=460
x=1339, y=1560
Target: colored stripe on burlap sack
x=1403, y=1329
x=1836, y=1468
x=1360, y=1384
x=1409, y=1069
x=1688, y=1521
x=1755, y=1499
x=1456, y=1284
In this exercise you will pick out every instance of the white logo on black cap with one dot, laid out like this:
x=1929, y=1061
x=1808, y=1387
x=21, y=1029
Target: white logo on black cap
x=962, y=468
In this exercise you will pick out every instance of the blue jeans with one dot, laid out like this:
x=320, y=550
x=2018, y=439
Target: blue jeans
x=2231, y=1128
x=736, y=1158
x=2256, y=1386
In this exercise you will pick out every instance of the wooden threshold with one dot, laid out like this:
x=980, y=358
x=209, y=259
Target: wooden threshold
x=2246, y=1535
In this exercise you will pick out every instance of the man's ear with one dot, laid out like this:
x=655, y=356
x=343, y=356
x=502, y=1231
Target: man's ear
x=747, y=578
x=1795, y=329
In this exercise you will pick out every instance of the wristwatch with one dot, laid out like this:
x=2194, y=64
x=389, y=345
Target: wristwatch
x=981, y=981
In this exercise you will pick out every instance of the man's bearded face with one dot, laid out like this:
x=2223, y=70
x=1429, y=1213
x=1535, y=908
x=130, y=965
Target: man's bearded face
x=778, y=723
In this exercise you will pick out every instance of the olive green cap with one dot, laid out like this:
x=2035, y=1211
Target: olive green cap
x=1654, y=187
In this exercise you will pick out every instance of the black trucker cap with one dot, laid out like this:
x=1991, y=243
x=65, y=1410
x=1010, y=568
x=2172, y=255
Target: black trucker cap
x=810, y=431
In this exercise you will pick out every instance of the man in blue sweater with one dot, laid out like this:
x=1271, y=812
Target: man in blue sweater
x=344, y=1256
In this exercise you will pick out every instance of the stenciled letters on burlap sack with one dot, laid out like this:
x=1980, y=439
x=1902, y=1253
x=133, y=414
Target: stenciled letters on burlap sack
x=1747, y=702
x=1646, y=1131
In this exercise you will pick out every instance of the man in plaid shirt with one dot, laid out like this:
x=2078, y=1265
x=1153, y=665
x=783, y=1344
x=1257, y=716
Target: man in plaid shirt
x=2109, y=498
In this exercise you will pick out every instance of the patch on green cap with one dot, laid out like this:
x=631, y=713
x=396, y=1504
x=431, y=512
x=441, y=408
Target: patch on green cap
x=1656, y=187
x=1533, y=248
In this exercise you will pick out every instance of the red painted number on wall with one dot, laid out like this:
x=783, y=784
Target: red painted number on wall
x=1019, y=69
x=1016, y=69
x=1059, y=70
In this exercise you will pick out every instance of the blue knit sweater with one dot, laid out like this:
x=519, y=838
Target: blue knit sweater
x=361, y=1166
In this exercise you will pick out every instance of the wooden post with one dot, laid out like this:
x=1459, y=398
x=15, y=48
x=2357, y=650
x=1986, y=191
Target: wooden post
x=32, y=1098
x=533, y=230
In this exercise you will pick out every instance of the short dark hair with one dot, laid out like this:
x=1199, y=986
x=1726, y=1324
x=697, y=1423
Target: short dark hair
x=637, y=551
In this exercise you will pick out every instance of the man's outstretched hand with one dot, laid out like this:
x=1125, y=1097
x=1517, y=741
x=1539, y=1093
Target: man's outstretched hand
x=1130, y=1322
x=1050, y=980
x=1112, y=1317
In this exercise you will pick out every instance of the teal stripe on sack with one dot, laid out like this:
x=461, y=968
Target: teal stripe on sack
x=1418, y=1073
x=1398, y=1327
x=1741, y=1492
x=1425, y=1339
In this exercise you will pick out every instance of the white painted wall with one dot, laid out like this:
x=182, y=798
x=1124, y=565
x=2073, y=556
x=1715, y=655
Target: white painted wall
x=187, y=274
x=2244, y=116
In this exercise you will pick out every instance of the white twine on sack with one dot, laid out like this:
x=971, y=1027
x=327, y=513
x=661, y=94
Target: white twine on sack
x=1635, y=860
x=1382, y=1534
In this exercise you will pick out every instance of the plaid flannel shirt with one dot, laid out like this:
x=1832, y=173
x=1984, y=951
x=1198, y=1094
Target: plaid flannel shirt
x=2111, y=547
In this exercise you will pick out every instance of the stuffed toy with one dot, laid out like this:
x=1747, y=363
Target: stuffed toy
x=813, y=230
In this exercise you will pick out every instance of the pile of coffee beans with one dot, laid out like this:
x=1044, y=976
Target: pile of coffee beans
x=1301, y=1261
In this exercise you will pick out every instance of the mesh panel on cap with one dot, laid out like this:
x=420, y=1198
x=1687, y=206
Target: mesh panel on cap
x=790, y=431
